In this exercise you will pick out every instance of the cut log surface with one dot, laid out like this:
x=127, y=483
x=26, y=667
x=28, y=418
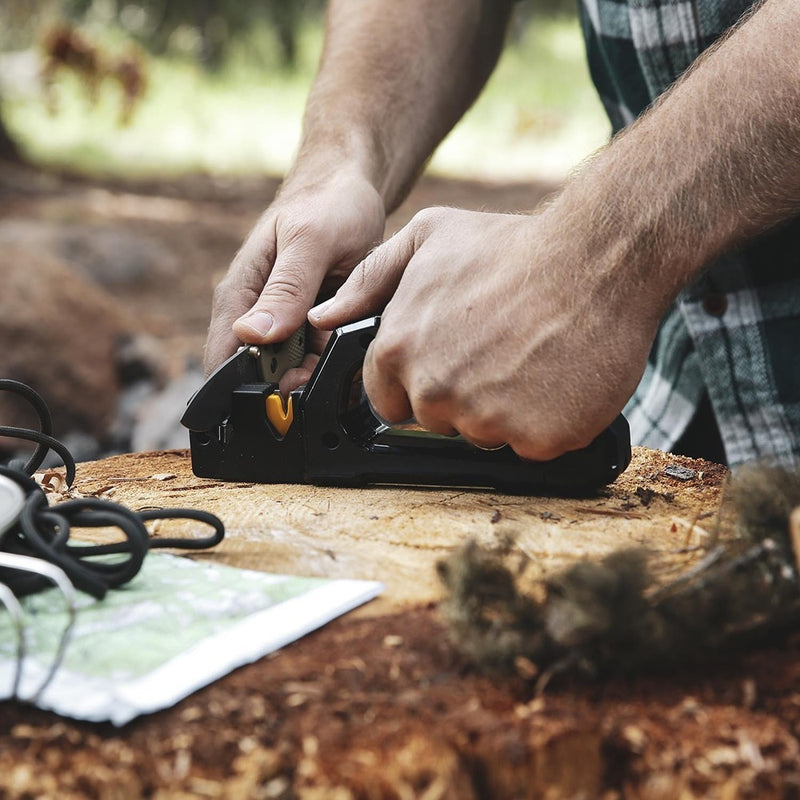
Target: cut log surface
x=378, y=704
x=396, y=535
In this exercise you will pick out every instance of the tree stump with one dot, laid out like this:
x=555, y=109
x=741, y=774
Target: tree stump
x=379, y=705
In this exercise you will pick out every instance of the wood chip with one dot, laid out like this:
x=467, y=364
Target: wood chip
x=549, y=515
x=164, y=476
x=635, y=738
x=51, y=481
x=691, y=527
x=525, y=668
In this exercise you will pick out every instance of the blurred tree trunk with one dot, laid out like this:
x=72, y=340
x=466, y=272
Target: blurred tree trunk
x=8, y=147
x=286, y=19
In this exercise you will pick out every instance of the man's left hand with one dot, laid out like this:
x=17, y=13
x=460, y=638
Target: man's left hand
x=500, y=327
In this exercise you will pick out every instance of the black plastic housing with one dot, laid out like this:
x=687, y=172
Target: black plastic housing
x=335, y=441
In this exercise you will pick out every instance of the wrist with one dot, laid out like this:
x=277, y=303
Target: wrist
x=709, y=166
x=327, y=155
x=633, y=228
x=610, y=252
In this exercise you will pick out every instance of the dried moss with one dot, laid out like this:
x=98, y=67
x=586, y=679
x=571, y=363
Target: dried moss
x=763, y=498
x=613, y=616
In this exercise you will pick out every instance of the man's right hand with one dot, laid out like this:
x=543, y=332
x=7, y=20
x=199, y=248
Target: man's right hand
x=303, y=247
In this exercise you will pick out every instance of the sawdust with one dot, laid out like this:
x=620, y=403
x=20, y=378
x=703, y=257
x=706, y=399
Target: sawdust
x=398, y=535
x=343, y=714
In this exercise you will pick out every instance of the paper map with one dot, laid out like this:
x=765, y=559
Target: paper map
x=177, y=626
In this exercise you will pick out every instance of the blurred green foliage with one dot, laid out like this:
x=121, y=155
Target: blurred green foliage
x=204, y=29
x=20, y=20
x=238, y=109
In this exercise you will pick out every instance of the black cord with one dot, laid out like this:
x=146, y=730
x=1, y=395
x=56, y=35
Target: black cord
x=35, y=400
x=45, y=442
x=44, y=532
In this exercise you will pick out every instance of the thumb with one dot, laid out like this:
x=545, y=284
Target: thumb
x=370, y=285
x=290, y=290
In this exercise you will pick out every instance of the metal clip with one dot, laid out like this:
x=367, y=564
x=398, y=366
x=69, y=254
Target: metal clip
x=17, y=613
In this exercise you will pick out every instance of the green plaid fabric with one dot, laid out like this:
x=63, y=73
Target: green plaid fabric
x=734, y=333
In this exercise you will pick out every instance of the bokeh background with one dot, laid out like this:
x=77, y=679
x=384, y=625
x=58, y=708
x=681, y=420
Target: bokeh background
x=141, y=140
x=223, y=84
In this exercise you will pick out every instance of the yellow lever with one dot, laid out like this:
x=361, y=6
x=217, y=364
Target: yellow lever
x=280, y=416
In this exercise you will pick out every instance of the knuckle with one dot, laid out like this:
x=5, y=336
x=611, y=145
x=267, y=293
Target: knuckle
x=252, y=273
x=254, y=259
x=302, y=229
x=549, y=445
x=426, y=221
x=484, y=427
x=361, y=276
x=376, y=266
x=288, y=284
x=536, y=449
x=245, y=278
x=390, y=414
x=387, y=349
x=429, y=217
x=430, y=391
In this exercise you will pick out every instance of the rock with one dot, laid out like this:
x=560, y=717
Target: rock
x=157, y=425
x=115, y=258
x=140, y=358
x=59, y=334
x=111, y=256
x=679, y=473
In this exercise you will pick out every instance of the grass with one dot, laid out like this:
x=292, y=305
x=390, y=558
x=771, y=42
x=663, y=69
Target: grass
x=537, y=118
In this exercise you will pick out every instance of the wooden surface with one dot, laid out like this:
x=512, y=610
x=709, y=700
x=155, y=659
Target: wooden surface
x=396, y=535
x=379, y=705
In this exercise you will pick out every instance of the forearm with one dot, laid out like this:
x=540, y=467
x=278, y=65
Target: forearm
x=715, y=162
x=394, y=78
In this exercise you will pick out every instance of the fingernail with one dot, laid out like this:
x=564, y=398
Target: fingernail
x=319, y=310
x=258, y=321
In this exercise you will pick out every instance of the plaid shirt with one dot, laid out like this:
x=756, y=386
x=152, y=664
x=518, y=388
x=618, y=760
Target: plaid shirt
x=735, y=332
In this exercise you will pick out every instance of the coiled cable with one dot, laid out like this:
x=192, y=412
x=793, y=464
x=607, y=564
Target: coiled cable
x=44, y=531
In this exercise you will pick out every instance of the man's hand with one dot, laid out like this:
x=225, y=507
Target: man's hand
x=535, y=330
x=393, y=79
x=305, y=244
x=496, y=326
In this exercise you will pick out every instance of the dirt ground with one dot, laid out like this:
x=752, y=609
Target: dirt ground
x=195, y=224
